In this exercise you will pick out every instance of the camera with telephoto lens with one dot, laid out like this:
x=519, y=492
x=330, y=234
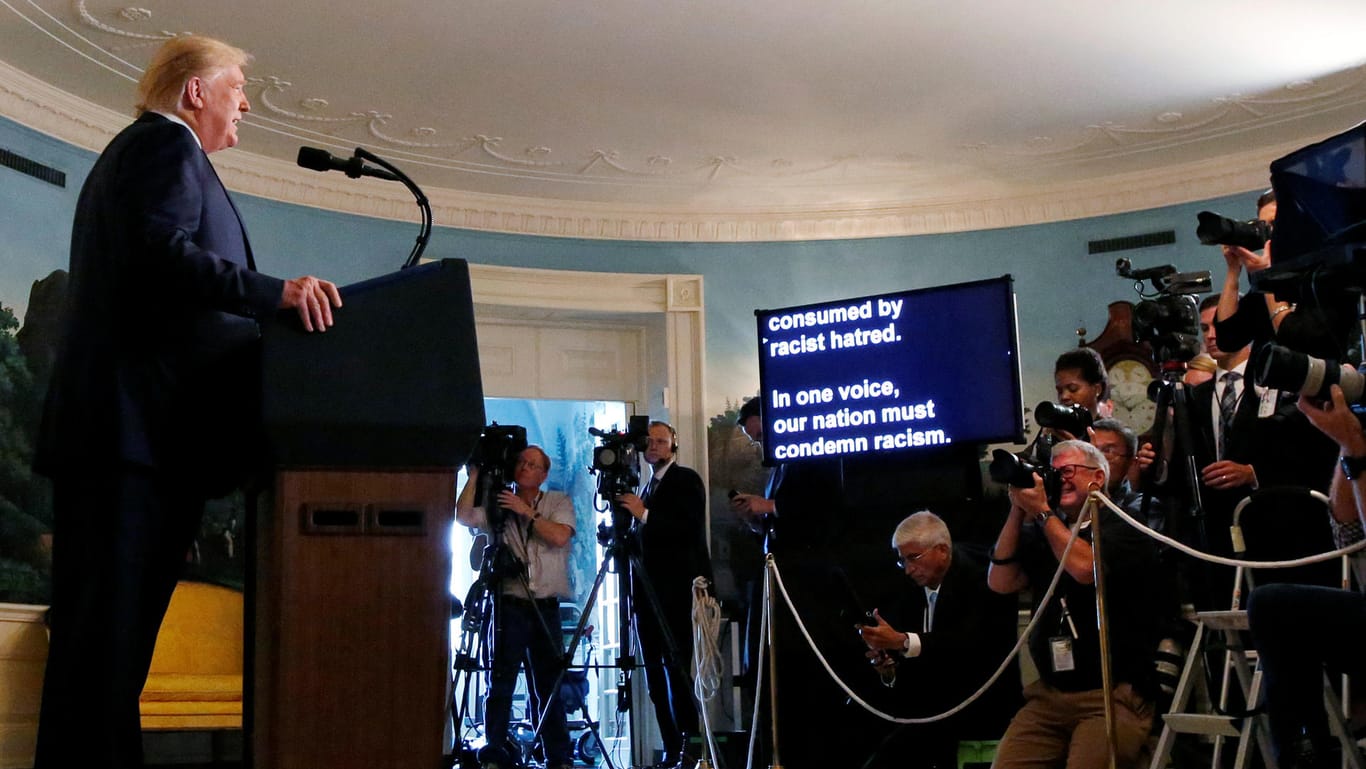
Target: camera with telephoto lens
x=1168, y=319
x=1073, y=419
x=1285, y=369
x=1216, y=230
x=1013, y=470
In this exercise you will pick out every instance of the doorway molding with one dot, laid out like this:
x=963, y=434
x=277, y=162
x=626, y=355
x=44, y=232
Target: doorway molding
x=667, y=309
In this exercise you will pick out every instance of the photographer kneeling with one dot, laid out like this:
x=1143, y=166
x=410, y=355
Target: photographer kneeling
x=534, y=528
x=1063, y=717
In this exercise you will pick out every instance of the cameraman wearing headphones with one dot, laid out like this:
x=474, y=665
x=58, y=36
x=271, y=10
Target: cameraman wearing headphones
x=1064, y=712
x=536, y=529
x=672, y=531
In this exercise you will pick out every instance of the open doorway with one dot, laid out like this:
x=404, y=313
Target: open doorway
x=560, y=427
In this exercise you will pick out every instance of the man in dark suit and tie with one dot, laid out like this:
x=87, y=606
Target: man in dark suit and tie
x=951, y=632
x=671, y=530
x=1249, y=437
x=153, y=400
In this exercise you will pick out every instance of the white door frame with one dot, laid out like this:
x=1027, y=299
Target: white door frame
x=612, y=298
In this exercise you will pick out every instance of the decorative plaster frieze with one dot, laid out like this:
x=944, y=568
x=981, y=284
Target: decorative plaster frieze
x=38, y=105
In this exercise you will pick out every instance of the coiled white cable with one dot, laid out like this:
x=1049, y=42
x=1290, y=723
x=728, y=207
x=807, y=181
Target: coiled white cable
x=706, y=656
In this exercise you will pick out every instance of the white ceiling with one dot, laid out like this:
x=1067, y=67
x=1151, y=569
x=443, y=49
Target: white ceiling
x=711, y=120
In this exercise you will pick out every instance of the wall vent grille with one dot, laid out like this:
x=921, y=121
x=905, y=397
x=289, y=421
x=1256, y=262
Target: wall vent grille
x=32, y=167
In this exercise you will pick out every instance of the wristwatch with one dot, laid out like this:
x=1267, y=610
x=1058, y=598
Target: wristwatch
x=1042, y=517
x=1352, y=467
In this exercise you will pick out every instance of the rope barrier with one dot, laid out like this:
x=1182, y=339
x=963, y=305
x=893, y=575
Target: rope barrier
x=1211, y=558
x=1095, y=498
x=1000, y=670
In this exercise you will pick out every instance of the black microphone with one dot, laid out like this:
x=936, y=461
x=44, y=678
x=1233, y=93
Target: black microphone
x=322, y=160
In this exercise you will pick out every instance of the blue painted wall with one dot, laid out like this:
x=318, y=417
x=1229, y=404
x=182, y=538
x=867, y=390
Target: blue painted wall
x=1059, y=287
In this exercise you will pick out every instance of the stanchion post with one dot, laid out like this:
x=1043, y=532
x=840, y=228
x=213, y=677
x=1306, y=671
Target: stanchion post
x=1102, y=626
x=770, y=606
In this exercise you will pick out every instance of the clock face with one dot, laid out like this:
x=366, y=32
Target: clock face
x=1129, y=393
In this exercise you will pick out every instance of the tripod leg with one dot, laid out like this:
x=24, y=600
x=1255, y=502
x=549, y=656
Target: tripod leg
x=554, y=690
x=677, y=712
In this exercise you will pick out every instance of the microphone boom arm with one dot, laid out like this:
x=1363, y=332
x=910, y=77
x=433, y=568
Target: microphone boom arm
x=426, y=232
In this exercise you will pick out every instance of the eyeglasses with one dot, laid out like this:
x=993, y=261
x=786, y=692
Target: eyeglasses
x=1066, y=472
x=529, y=463
x=905, y=559
x=1114, y=451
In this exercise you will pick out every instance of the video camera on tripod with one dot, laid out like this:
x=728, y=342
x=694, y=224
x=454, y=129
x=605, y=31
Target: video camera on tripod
x=616, y=462
x=1168, y=318
x=496, y=456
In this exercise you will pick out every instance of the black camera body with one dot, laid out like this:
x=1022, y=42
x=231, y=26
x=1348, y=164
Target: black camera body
x=1073, y=419
x=616, y=458
x=1013, y=470
x=1168, y=319
x=496, y=456
x=498, y=448
x=1216, y=230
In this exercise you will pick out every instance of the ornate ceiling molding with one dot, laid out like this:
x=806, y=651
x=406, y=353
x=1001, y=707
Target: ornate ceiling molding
x=39, y=106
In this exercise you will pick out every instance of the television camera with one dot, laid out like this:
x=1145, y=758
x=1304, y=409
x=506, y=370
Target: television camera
x=1168, y=318
x=496, y=456
x=616, y=463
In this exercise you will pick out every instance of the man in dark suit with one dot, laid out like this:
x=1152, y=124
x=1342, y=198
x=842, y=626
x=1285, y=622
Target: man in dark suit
x=803, y=519
x=951, y=632
x=672, y=534
x=1249, y=437
x=152, y=403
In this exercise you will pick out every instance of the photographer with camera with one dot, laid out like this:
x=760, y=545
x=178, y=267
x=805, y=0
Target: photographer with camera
x=535, y=528
x=1261, y=316
x=1063, y=718
x=1300, y=629
x=671, y=532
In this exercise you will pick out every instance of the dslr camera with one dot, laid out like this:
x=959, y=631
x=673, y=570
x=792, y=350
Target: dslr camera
x=1015, y=471
x=1216, y=230
x=1073, y=419
x=1285, y=369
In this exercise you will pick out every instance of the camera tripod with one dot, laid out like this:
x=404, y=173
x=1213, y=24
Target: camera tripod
x=1173, y=399
x=620, y=548
x=481, y=631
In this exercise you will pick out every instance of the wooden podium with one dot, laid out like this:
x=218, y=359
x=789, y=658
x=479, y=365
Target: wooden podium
x=350, y=588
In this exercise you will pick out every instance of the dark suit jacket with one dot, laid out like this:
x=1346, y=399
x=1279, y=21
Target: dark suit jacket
x=673, y=543
x=1284, y=450
x=973, y=631
x=157, y=366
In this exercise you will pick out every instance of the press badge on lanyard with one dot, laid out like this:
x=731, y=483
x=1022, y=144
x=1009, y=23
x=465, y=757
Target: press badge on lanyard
x=1061, y=645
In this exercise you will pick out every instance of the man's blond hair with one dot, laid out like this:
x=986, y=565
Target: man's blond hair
x=178, y=60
